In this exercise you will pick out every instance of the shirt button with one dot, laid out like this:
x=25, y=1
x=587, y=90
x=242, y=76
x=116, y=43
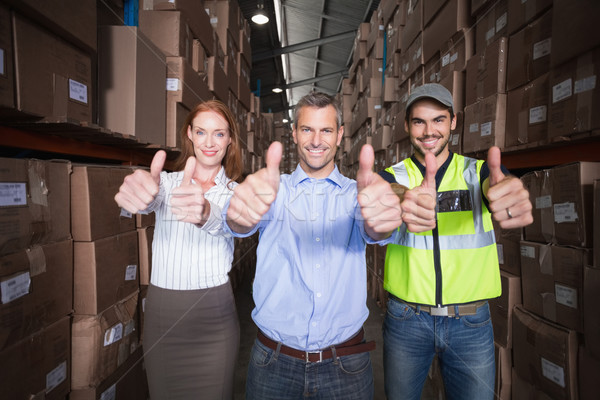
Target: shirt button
x=318, y=265
x=314, y=324
x=318, y=294
x=318, y=239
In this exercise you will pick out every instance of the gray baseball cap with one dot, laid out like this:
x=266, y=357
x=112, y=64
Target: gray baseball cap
x=433, y=91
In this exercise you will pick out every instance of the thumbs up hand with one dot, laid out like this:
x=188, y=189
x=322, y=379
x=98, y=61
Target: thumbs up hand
x=380, y=207
x=508, y=199
x=141, y=187
x=187, y=201
x=418, y=205
x=253, y=198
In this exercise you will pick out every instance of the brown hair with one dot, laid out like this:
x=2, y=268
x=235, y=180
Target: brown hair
x=318, y=100
x=233, y=159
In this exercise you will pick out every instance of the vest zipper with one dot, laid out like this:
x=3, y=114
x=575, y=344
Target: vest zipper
x=438, y=266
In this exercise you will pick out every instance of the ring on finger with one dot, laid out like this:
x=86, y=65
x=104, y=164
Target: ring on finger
x=508, y=213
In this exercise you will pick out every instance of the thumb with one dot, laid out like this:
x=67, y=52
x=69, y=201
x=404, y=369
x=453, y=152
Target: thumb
x=494, y=163
x=156, y=167
x=431, y=168
x=272, y=159
x=188, y=171
x=366, y=159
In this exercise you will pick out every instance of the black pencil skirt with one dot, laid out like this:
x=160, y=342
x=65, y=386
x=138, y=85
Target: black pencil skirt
x=191, y=342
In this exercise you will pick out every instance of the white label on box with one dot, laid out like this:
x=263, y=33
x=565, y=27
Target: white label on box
x=455, y=139
x=2, y=71
x=562, y=90
x=537, y=114
x=172, y=84
x=130, y=327
x=78, y=91
x=486, y=129
x=490, y=34
x=553, y=372
x=446, y=60
x=474, y=127
x=501, y=22
x=585, y=84
x=377, y=107
x=381, y=27
x=214, y=20
x=13, y=194
x=541, y=49
x=110, y=393
x=57, y=376
x=113, y=334
x=15, y=287
x=543, y=202
x=565, y=212
x=454, y=57
x=565, y=295
x=131, y=272
x=528, y=251
x=500, y=253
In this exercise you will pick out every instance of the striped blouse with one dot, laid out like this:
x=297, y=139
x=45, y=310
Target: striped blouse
x=185, y=256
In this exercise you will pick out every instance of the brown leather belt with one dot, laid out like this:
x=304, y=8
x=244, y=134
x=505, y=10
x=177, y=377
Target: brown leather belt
x=354, y=345
x=446, y=311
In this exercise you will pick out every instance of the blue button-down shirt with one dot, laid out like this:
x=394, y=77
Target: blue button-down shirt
x=310, y=284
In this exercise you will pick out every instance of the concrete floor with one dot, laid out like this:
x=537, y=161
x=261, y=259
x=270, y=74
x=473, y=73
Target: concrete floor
x=248, y=334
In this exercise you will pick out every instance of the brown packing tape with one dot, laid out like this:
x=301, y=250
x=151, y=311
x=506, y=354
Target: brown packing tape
x=37, y=260
x=38, y=189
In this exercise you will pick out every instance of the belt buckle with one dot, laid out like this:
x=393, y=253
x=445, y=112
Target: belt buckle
x=308, y=353
x=439, y=311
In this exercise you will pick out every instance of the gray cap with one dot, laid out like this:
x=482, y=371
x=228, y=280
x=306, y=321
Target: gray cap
x=433, y=91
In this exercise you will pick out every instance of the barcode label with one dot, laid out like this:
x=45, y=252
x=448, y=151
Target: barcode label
x=13, y=194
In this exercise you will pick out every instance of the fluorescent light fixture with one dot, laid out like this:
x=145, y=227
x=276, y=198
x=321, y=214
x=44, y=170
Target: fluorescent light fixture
x=285, y=120
x=260, y=16
x=277, y=90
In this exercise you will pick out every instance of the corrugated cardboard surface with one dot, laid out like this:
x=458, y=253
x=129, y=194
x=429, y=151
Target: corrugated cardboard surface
x=501, y=309
x=7, y=72
x=37, y=290
x=105, y=271
x=527, y=110
x=539, y=184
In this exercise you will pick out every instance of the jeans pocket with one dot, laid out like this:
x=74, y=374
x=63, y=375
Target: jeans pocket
x=261, y=355
x=480, y=319
x=399, y=311
x=355, y=363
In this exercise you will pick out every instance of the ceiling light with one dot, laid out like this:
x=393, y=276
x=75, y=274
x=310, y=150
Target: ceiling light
x=260, y=16
x=285, y=120
x=277, y=90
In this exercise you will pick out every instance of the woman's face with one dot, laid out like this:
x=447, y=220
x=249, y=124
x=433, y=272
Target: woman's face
x=209, y=133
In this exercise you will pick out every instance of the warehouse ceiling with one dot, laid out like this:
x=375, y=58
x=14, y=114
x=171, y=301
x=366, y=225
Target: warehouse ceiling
x=306, y=45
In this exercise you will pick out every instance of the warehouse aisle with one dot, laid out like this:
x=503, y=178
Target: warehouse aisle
x=248, y=334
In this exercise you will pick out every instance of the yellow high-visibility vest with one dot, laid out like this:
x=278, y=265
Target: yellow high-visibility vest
x=457, y=262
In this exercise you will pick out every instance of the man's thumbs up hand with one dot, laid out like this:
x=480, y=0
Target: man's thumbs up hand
x=253, y=198
x=380, y=207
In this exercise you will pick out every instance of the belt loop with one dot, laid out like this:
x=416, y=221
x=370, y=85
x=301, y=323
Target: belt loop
x=456, y=313
x=277, y=351
x=418, y=310
x=334, y=355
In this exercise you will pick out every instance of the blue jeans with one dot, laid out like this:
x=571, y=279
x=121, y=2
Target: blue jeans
x=464, y=345
x=276, y=376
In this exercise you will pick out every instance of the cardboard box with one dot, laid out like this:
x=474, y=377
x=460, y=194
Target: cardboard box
x=528, y=109
x=128, y=382
x=217, y=80
x=35, y=203
x=591, y=319
x=145, y=237
x=94, y=212
x=573, y=202
x=522, y=12
x=589, y=371
x=491, y=25
x=529, y=52
x=36, y=287
x=455, y=83
x=39, y=366
x=486, y=72
x=453, y=17
x=539, y=184
x=7, y=70
x=552, y=281
x=573, y=29
x=596, y=232
x=523, y=390
x=131, y=76
x=412, y=59
x=508, y=242
x=103, y=342
x=485, y=124
x=455, y=52
x=575, y=95
x=414, y=23
x=545, y=354
x=503, y=373
x=501, y=309
x=456, y=136
x=101, y=282
x=53, y=78
x=223, y=16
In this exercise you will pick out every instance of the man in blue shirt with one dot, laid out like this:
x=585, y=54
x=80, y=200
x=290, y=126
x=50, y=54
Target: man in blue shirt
x=310, y=284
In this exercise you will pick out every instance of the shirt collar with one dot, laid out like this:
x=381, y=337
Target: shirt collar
x=299, y=176
x=221, y=178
